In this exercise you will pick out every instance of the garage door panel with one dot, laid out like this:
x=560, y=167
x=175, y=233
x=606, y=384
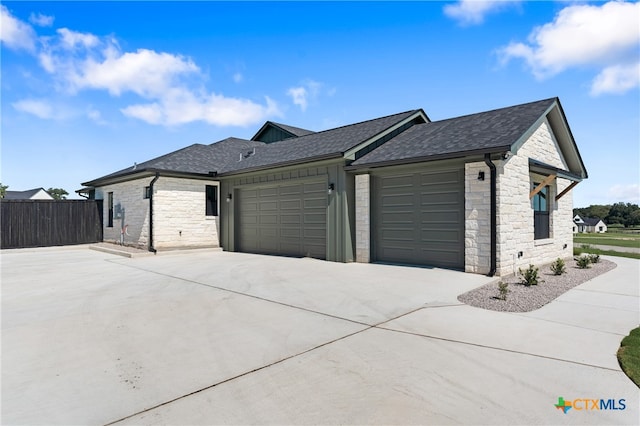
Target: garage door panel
x=289, y=219
x=440, y=217
x=419, y=218
x=315, y=203
x=399, y=181
x=267, y=192
x=398, y=217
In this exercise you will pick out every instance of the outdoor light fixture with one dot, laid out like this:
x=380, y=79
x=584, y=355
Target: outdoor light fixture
x=229, y=198
x=331, y=188
x=480, y=175
x=506, y=155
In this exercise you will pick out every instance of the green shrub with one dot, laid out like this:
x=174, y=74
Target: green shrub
x=503, y=290
x=594, y=258
x=558, y=267
x=583, y=262
x=530, y=276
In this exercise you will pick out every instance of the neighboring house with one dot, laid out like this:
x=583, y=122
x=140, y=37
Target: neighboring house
x=485, y=193
x=31, y=194
x=588, y=224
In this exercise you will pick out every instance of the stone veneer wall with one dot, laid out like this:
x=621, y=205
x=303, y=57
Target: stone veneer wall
x=178, y=213
x=514, y=211
x=363, y=218
x=130, y=197
x=179, y=219
x=477, y=230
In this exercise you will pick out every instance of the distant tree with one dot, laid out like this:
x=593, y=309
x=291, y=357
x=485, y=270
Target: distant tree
x=596, y=210
x=626, y=214
x=58, y=193
x=3, y=189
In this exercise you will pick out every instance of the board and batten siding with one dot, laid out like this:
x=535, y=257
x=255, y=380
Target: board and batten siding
x=340, y=213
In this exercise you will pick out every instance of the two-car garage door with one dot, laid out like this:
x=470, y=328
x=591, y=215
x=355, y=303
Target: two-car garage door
x=418, y=218
x=288, y=219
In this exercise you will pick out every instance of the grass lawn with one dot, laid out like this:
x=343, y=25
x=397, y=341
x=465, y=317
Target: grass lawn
x=609, y=239
x=629, y=355
x=578, y=250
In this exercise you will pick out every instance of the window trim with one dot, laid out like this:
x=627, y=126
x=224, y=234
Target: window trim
x=541, y=216
x=211, y=201
x=109, y=209
x=146, y=194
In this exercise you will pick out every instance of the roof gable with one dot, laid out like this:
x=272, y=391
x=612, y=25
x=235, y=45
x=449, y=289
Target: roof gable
x=332, y=143
x=274, y=132
x=495, y=131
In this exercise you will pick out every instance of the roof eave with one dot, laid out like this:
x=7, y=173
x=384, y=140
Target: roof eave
x=331, y=156
x=147, y=172
x=429, y=158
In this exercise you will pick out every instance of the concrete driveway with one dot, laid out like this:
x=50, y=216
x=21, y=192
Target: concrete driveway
x=227, y=338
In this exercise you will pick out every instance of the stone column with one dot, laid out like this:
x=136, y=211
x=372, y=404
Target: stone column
x=363, y=221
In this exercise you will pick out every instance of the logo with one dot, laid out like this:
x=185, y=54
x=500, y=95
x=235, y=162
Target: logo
x=563, y=405
x=585, y=404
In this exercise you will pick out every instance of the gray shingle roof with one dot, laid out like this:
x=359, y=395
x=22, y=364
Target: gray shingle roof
x=591, y=221
x=196, y=158
x=316, y=145
x=224, y=156
x=22, y=195
x=485, y=131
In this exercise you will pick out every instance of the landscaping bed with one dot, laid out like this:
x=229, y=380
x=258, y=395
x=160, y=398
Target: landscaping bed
x=523, y=298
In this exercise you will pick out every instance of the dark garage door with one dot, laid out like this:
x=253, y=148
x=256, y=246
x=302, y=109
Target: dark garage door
x=289, y=219
x=418, y=218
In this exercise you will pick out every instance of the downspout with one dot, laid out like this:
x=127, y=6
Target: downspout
x=153, y=181
x=493, y=214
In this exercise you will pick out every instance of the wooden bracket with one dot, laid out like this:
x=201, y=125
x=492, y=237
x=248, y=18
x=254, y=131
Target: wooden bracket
x=567, y=189
x=544, y=183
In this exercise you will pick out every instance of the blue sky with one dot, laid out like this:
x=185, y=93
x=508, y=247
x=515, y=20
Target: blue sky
x=90, y=88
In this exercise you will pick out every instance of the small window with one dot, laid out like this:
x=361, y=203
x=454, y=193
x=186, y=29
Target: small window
x=110, y=209
x=540, y=205
x=147, y=192
x=601, y=228
x=211, y=205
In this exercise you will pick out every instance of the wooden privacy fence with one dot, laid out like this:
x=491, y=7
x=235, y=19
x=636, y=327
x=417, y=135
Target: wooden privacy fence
x=42, y=223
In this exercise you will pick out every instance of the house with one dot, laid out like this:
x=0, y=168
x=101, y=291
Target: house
x=31, y=194
x=485, y=193
x=588, y=224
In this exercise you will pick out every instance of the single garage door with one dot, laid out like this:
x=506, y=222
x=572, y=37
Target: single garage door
x=419, y=218
x=289, y=219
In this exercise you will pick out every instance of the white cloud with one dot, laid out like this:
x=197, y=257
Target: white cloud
x=616, y=79
x=144, y=72
x=41, y=20
x=37, y=107
x=14, y=33
x=629, y=193
x=172, y=85
x=181, y=106
x=46, y=109
x=95, y=116
x=471, y=12
x=307, y=92
x=605, y=36
x=299, y=96
x=71, y=39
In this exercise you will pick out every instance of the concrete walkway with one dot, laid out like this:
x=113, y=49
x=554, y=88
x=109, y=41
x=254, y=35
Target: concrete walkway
x=226, y=338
